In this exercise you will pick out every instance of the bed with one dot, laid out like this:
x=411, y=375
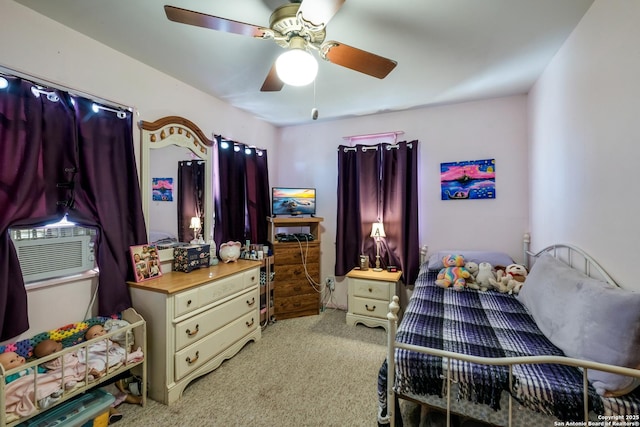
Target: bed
x=24, y=395
x=555, y=354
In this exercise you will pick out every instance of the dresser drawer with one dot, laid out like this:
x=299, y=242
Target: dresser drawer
x=197, y=327
x=297, y=272
x=221, y=288
x=251, y=278
x=196, y=355
x=292, y=288
x=300, y=303
x=370, y=307
x=184, y=302
x=372, y=289
x=291, y=255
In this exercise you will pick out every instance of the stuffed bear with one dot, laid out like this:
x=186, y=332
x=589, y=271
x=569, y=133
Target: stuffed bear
x=518, y=273
x=510, y=279
x=453, y=272
x=472, y=267
x=485, y=273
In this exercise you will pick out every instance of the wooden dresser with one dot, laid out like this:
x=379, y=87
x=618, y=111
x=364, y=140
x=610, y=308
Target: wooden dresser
x=195, y=321
x=293, y=293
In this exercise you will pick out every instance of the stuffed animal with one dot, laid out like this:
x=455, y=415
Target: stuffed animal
x=500, y=282
x=510, y=279
x=485, y=274
x=472, y=267
x=518, y=273
x=453, y=272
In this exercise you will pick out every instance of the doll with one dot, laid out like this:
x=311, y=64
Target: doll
x=49, y=392
x=96, y=353
x=74, y=369
x=11, y=360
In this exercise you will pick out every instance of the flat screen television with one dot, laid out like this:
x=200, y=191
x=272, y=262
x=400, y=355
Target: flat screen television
x=286, y=201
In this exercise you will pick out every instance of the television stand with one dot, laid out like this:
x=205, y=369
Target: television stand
x=293, y=294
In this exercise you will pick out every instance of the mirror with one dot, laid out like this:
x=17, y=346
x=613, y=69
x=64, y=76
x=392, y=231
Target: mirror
x=165, y=143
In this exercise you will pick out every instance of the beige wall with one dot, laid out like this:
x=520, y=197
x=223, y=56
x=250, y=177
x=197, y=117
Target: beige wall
x=495, y=128
x=585, y=141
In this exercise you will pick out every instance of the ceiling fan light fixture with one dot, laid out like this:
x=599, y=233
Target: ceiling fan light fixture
x=296, y=67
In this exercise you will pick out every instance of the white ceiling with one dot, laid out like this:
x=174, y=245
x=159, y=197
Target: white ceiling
x=447, y=50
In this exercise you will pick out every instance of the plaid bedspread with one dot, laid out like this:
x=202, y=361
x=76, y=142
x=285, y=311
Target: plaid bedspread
x=488, y=324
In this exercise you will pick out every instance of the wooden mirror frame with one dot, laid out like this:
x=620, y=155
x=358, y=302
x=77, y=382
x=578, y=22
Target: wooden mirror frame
x=181, y=132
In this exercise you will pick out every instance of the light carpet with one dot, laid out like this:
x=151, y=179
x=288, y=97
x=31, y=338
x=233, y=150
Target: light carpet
x=308, y=371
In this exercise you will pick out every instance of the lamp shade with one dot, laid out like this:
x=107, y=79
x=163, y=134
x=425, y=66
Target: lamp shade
x=195, y=223
x=377, y=230
x=296, y=67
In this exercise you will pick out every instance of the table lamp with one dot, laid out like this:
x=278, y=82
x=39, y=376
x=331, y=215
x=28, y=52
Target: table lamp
x=377, y=231
x=195, y=225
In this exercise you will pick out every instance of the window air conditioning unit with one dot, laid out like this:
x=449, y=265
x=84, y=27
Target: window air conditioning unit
x=49, y=252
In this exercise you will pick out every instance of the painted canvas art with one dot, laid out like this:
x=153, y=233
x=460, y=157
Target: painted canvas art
x=471, y=179
x=162, y=189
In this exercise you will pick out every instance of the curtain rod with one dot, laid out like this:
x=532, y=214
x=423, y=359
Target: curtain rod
x=53, y=85
x=374, y=135
x=224, y=139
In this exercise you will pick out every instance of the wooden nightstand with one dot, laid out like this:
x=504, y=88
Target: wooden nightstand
x=369, y=295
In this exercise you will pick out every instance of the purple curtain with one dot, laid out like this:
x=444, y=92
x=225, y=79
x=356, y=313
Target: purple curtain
x=108, y=197
x=242, y=198
x=190, y=197
x=35, y=157
x=358, y=177
x=378, y=182
x=59, y=159
x=258, y=201
x=400, y=207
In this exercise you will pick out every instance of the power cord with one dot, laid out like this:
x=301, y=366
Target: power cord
x=318, y=287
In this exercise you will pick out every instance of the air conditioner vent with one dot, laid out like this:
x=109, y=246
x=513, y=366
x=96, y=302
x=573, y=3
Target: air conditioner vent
x=48, y=257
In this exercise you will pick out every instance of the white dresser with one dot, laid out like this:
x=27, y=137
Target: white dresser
x=369, y=295
x=195, y=321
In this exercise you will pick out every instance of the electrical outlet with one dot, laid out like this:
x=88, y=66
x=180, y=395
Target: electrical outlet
x=331, y=283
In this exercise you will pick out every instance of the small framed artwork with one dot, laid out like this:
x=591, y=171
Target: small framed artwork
x=146, y=262
x=470, y=179
x=162, y=189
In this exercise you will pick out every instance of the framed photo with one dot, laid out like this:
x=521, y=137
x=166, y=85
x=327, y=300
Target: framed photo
x=146, y=262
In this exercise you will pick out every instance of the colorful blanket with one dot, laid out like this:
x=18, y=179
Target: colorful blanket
x=487, y=324
x=68, y=335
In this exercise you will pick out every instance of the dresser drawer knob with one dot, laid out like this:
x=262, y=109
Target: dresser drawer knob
x=191, y=361
x=253, y=279
x=250, y=324
x=250, y=303
x=370, y=309
x=370, y=290
x=189, y=302
x=190, y=334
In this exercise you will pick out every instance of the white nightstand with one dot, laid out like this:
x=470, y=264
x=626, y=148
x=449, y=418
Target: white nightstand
x=370, y=293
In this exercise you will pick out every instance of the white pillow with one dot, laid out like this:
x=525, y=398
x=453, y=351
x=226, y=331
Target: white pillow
x=587, y=319
x=493, y=258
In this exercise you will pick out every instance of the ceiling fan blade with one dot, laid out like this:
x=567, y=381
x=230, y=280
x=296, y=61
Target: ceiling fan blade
x=199, y=19
x=272, y=83
x=357, y=59
x=315, y=14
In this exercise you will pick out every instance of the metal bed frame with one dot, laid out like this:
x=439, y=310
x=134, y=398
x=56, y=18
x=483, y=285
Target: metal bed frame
x=571, y=255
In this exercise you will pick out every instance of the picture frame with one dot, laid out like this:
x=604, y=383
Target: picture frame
x=469, y=179
x=146, y=262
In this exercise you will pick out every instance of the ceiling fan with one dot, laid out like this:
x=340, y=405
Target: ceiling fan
x=297, y=25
